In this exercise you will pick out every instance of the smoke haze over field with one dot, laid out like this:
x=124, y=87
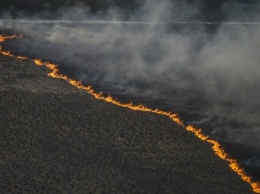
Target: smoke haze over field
x=209, y=73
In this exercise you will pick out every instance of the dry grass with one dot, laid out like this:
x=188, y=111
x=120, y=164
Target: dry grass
x=57, y=139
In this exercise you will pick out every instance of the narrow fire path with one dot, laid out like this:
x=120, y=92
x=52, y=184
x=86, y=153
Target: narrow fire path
x=215, y=145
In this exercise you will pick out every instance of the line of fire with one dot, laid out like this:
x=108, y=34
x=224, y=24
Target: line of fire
x=215, y=145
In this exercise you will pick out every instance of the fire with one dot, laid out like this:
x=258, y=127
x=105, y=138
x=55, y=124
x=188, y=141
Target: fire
x=215, y=145
x=3, y=38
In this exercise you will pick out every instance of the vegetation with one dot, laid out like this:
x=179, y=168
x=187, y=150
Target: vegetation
x=58, y=139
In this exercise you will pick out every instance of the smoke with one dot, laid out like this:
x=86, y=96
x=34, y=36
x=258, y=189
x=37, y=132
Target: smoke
x=253, y=161
x=210, y=74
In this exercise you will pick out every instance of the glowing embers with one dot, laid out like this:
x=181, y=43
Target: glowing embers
x=3, y=38
x=219, y=151
x=216, y=147
x=7, y=53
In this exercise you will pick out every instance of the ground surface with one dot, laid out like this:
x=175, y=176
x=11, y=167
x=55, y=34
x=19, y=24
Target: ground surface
x=58, y=139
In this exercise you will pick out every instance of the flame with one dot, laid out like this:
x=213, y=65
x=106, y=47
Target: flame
x=215, y=145
x=3, y=38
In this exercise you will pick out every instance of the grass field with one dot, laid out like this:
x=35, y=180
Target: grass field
x=58, y=139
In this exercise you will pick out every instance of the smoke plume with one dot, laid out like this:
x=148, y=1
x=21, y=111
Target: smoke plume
x=207, y=72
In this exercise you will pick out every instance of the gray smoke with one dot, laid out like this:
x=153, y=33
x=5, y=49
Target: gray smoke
x=210, y=71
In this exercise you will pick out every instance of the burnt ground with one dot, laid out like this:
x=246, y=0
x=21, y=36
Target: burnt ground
x=58, y=139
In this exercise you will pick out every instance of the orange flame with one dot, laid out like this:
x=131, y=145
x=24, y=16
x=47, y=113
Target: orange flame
x=3, y=38
x=215, y=145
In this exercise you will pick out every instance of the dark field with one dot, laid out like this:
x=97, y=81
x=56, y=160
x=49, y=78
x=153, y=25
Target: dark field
x=58, y=139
